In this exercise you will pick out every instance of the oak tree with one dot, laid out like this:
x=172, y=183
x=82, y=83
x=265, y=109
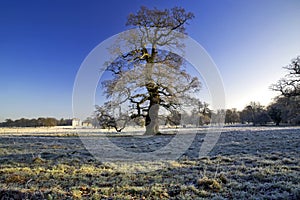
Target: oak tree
x=148, y=80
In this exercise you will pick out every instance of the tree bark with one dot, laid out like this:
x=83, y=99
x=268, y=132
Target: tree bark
x=152, y=123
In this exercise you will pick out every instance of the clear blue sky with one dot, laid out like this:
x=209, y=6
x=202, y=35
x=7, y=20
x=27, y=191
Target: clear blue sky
x=43, y=43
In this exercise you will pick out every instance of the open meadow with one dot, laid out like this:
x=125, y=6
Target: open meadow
x=246, y=163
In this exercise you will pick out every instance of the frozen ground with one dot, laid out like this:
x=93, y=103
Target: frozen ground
x=246, y=163
x=60, y=130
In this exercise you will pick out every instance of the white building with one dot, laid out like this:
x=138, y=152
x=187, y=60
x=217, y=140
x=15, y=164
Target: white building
x=76, y=122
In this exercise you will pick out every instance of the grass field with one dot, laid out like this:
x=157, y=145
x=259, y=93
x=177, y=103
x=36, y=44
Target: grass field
x=246, y=163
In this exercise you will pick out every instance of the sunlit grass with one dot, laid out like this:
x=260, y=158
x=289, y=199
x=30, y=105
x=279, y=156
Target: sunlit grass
x=185, y=179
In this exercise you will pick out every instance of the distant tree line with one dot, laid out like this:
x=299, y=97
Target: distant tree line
x=254, y=113
x=284, y=109
x=39, y=122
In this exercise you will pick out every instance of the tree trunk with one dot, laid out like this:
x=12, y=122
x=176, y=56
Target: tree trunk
x=152, y=123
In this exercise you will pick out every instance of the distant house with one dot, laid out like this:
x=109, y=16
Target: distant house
x=76, y=122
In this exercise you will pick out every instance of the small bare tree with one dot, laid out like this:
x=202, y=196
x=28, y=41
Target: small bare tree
x=289, y=86
x=111, y=116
